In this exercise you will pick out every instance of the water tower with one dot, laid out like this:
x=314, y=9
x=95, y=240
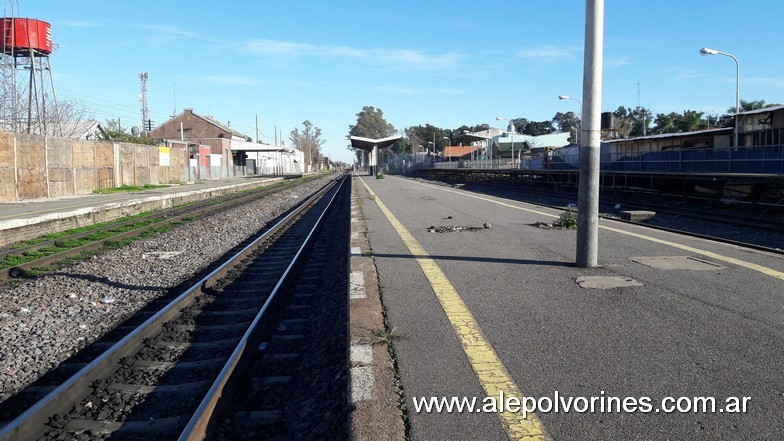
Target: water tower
x=29, y=103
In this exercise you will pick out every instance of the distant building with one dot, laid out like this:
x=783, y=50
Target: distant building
x=507, y=144
x=85, y=130
x=197, y=132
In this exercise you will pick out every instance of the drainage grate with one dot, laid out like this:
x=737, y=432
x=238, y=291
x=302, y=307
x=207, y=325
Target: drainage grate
x=667, y=263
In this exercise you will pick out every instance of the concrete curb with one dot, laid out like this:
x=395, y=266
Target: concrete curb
x=373, y=393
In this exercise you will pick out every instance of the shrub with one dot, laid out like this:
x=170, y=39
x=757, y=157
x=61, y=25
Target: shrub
x=568, y=219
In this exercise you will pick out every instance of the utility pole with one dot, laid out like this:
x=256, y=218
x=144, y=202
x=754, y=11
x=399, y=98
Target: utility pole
x=257, y=129
x=588, y=187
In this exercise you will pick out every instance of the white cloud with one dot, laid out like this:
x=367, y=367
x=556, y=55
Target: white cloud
x=171, y=31
x=686, y=74
x=78, y=24
x=399, y=58
x=616, y=62
x=764, y=81
x=406, y=90
x=549, y=53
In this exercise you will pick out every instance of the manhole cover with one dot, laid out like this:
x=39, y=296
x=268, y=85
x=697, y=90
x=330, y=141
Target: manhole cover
x=606, y=282
x=667, y=263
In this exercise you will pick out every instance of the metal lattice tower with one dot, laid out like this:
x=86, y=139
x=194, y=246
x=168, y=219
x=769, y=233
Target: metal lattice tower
x=146, y=123
x=10, y=97
x=29, y=102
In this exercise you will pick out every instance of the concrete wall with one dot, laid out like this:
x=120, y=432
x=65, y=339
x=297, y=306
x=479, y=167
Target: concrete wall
x=34, y=166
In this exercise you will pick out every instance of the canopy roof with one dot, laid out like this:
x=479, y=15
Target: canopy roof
x=358, y=142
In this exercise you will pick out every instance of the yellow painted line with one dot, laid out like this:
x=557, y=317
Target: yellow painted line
x=489, y=369
x=741, y=263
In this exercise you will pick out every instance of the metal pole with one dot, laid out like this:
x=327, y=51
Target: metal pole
x=588, y=189
x=511, y=136
x=737, y=97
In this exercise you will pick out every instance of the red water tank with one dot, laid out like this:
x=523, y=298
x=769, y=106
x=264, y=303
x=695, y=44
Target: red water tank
x=24, y=35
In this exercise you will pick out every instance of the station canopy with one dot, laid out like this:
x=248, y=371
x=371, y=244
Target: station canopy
x=359, y=142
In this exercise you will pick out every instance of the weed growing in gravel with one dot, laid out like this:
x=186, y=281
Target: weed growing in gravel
x=384, y=336
x=380, y=176
x=568, y=219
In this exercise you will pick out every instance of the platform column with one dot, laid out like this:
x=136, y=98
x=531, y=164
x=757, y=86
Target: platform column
x=590, y=141
x=374, y=161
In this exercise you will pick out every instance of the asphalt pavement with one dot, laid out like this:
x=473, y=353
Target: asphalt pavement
x=699, y=319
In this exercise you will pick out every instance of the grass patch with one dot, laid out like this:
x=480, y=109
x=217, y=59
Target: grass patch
x=79, y=230
x=380, y=176
x=385, y=336
x=128, y=188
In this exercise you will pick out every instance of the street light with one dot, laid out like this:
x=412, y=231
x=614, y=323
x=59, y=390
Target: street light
x=566, y=97
x=579, y=114
x=511, y=135
x=448, y=142
x=433, y=143
x=705, y=52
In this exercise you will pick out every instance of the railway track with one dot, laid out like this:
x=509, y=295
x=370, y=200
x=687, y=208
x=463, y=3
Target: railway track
x=169, y=377
x=725, y=222
x=41, y=255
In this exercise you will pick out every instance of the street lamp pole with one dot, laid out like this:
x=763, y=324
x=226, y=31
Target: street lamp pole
x=448, y=141
x=705, y=52
x=579, y=115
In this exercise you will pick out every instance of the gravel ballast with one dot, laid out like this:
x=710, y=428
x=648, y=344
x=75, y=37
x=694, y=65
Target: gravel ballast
x=47, y=320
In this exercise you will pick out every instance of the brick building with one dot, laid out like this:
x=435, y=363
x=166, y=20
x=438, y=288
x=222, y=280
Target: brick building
x=200, y=133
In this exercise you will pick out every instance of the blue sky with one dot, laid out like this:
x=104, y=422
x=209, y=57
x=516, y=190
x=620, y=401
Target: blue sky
x=440, y=63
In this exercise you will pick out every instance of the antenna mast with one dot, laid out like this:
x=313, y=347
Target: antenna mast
x=146, y=123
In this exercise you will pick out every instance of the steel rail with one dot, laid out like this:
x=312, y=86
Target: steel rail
x=202, y=421
x=28, y=424
x=170, y=216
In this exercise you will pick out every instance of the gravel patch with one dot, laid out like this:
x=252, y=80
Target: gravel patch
x=47, y=320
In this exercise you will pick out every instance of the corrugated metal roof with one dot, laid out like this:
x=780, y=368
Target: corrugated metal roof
x=762, y=110
x=456, y=151
x=673, y=135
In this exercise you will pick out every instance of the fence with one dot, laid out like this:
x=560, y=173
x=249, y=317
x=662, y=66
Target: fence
x=35, y=166
x=758, y=160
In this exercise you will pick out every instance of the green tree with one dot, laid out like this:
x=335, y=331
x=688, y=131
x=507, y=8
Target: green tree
x=309, y=141
x=370, y=124
x=113, y=131
x=536, y=128
x=664, y=123
x=746, y=106
x=691, y=120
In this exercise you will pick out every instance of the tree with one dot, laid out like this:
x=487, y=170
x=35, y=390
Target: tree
x=536, y=128
x=567, y=122
x=113, y=131
x=309, y=142
x=664, y=123
x=746, y=106
x=370, y=124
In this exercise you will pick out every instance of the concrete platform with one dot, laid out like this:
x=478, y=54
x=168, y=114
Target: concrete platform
x=697, y=319
x=24, y=220
x=637, y=215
